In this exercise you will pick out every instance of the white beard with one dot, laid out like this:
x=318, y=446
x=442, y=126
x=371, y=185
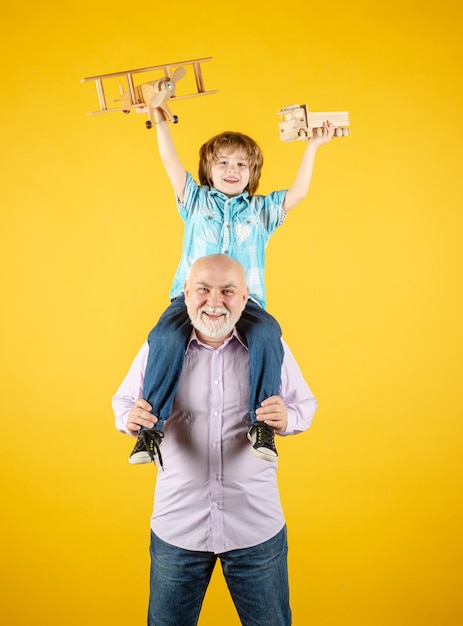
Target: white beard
x=213, y=328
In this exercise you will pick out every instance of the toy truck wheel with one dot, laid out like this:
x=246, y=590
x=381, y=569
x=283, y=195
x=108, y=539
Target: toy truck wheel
x=148, y=124
x=338, y=132
x=345, y=132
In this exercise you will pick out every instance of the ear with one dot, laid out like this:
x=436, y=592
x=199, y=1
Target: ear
x=245, y=298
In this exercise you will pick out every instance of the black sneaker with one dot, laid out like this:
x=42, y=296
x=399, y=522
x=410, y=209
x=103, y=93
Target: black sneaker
x=262, y=438
x=147, y=447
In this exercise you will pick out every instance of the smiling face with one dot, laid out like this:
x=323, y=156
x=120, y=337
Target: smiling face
x=218, y=149
x=215, y=296
x=230, y=172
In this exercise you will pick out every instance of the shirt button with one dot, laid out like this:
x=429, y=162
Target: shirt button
x=216, y=382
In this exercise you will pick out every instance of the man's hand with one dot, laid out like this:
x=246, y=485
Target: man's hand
x=273, y=412
x=140, y=416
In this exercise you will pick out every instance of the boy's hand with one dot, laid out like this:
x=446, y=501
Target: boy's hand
x=159, y=115
x=325, y=137
x=273, y=412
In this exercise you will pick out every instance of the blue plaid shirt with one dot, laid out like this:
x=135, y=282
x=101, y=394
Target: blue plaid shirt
x=240, y=227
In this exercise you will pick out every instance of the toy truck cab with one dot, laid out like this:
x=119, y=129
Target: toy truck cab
x=294, y=123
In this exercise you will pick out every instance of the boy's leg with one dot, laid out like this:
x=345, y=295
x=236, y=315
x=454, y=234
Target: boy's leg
x=257, y=578
x=178, y=583
x=263, y=336
x=167, y=342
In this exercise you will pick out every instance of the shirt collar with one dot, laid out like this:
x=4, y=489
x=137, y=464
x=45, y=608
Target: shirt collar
x=235, y=336
x=242, y=196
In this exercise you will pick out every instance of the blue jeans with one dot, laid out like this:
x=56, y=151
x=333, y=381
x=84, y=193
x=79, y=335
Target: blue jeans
x=168, y=341
x=257, y=579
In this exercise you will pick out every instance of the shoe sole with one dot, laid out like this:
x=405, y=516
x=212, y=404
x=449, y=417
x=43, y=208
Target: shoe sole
x=264, y=456
x=138, y=460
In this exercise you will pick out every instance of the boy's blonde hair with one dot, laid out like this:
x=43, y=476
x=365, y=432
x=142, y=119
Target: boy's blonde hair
x=208, y=155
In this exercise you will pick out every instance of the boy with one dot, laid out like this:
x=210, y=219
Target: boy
x=222, y=215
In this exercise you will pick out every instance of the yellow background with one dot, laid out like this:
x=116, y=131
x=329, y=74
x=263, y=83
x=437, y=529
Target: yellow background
x=365, y=278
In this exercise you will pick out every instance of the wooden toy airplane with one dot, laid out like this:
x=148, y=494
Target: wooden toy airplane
x=296, y=123
x=154, y=94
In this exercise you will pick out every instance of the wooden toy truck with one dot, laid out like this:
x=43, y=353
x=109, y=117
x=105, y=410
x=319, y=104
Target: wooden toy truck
x=297, y=124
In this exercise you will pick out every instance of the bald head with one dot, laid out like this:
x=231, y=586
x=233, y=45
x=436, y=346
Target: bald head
x=215, y=295
x=218, y=264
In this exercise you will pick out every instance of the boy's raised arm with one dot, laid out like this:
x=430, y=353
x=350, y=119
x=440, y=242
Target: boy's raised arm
x=169, y=157
x=300, y=187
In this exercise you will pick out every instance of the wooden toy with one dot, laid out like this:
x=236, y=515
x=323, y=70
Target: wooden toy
x=296, y=123
x=153, y=94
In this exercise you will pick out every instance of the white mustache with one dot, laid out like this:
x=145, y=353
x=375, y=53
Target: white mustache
x=213, y=310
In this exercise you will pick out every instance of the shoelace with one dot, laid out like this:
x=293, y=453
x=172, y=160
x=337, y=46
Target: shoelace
x=150, y=438
x=266, y=436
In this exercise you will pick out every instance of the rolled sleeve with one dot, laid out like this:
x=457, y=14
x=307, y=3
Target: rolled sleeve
x=130, y=390
x=300, y=402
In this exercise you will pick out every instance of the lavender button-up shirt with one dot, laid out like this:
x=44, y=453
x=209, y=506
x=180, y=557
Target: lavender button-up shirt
x=214, y=495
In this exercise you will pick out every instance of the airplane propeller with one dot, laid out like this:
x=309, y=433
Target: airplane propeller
x=165, y=88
